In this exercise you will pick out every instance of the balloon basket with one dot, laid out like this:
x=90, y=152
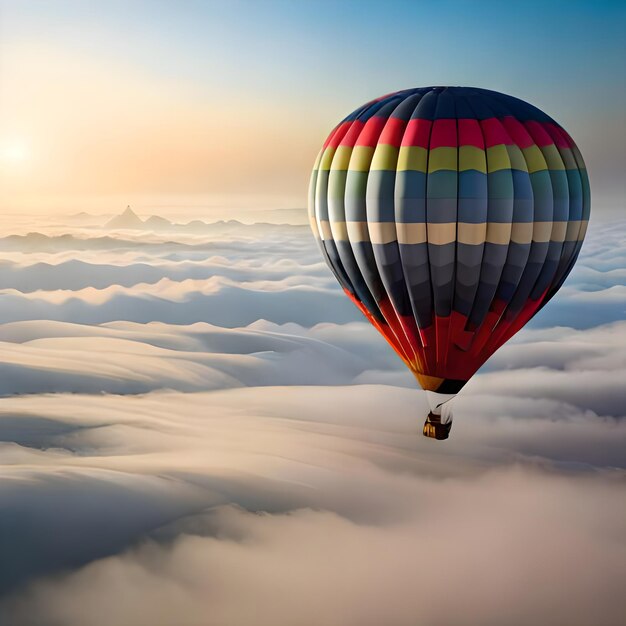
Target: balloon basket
x=435, y=428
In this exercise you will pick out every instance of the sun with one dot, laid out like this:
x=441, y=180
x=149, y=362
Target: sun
x=14, y=152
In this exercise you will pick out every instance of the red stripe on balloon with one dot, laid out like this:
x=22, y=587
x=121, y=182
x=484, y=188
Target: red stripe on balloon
x=484, y=331
x=371, y=132
x=335, y=136
x=442, y=326
x=507, y=328
x=558, y=135
x=443, y=134
x=417, y=133
x=392, y=132
x=470, y=133
x=566, y=136
x=517, y=132
x=494, y=132
x=383, y=329
x=451, y=361
x=390, y=315
x=458, y=335
x=353, y=133
x=539, y=134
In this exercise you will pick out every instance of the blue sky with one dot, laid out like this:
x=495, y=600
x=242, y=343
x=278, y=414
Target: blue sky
x=307, y=64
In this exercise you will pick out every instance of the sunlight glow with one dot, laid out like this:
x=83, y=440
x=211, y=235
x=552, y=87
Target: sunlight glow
x=14, y=152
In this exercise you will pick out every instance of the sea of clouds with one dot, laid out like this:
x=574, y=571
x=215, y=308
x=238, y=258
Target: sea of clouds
x=198, y=428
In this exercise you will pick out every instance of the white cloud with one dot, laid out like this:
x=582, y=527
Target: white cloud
x=268, y=466
x=363, y=516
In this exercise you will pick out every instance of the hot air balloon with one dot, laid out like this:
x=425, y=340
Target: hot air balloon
x=450, y=216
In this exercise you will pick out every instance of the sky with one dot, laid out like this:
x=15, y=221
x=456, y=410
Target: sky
x=204, y=105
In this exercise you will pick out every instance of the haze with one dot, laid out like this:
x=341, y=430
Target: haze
x=225, y=104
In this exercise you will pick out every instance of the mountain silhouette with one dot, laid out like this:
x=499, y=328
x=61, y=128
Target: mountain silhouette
x=128, y=220
x=156, y=222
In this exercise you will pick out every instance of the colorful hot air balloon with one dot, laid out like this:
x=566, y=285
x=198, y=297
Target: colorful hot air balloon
x=450, y=216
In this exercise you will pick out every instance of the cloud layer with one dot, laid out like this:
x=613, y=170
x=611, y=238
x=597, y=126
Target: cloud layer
x=205, y=427
x=232, y=279
x=332, y=505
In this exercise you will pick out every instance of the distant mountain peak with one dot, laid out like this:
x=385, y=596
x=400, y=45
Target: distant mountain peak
x=127, y=219
x=156, y=220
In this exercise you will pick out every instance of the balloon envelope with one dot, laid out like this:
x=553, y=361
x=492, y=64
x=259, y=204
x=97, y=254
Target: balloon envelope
x=450, y=216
